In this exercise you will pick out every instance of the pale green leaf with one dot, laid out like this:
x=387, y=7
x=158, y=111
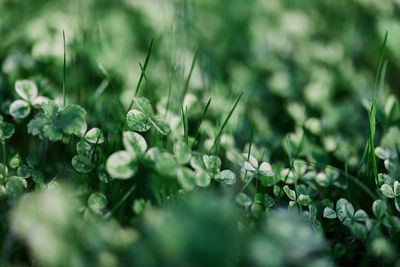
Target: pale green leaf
x=121, y=165
x=20, y=109
x=94, y=136
x=134, y=142
x=137, y=121
x=26, y=89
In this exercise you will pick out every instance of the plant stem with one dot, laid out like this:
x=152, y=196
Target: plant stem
x=64, y=75
x=3, y=145
x=123, y=199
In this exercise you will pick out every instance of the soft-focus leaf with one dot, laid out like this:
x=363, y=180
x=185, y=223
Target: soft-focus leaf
x=20, y=109
x=121, y=165
x=94, y=136
x=26, y=89
x=226, y=177
x=134, y=142
x=379, y=208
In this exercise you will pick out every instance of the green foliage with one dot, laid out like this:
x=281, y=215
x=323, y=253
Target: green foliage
x=52, y=122
x=284, y=167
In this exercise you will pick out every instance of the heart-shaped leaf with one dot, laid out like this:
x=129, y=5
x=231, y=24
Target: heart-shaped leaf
x=182, y=152
x=82, y=164
x=97, y=202
x=26, y=89
x=134, y=142
x=94, y=136
x=20, y=109
x=121, y=165
x=226, y=177
x=137, y=121
x=6, y=131
x=160, y=125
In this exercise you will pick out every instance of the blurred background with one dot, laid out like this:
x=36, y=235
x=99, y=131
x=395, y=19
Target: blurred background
x=300, y=62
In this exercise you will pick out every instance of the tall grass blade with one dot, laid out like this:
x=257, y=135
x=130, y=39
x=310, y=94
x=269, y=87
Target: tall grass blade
x=201, y=120
x=146, y=62
x=185, y=89
x=218, y=137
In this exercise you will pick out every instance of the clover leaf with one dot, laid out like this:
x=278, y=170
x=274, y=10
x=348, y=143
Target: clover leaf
x=122, y=165
x=6, y=131
x=140, y=118
x=28, y=91
x=52, y=122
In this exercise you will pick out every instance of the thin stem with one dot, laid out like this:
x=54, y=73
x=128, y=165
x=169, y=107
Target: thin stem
x=64, y=74
x=123, y=199
x=3, y=145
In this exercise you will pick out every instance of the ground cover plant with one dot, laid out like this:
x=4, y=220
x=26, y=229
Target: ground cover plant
x=199, y=133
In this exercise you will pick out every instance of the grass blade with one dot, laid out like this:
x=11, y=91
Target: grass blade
x=185, y=124
x=201, y=120
x=372, y=113
x=64, y=73
x=218, y=137
x=123, y=199
x=185, y=89
x=146, y=62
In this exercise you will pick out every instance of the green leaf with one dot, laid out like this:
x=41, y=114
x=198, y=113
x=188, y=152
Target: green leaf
x=26, y=89
x=166, y=164
x=143, y=104
x=212, y=163
x=83, y=148
x=203, y=179
x=243, y=200
x=134, y=142
x=196, y=162
x=186, y=178
x=322, y=179
x=38, y=176
x=121, y=165
x=345, y=211
x=329, y=213
x=15, y=161
x=32, y=161
x=94, y=136
x=139, y=205
x=182, y=152
x=266, y=170
x=38, y=101
x=269, y=201
x=137, y=121
x=387, y=190
x=52, y=122
x=359, y=231
x=97, y=202
x=396, y=188
x=24, y=172
x=391, y=108
x=381, y=153
x=397, y=203
x=304, y=200
x=3, y=171
x=15, y=186
x=82, y=164
x=160, y=125
x=20, y=109
x=379, y=208
x=6, y=131
x=226, y=177
x=290, y=193
x=361, y=216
